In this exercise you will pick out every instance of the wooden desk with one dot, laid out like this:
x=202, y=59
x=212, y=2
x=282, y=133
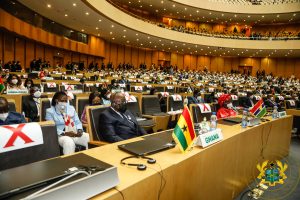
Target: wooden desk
x=293, y=112
x=220, y=171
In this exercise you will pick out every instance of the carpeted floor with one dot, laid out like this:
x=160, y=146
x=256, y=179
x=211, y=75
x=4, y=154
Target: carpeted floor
x=290, y=190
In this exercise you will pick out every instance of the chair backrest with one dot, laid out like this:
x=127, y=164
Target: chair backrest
x=11, y=105
x=93, y=114
x=45, y=104
x=181, y=89
x=134, y=108
x=160, y=89
x=197, y=115
x=51, y=89
x=49, y=149
x=150, y=104
x=76, y=87
x=176, y=105
x=242, y=99
x=81, y=102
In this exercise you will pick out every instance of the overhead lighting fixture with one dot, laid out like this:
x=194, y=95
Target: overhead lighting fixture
x=49, y=5
x=66, y=15
x=100, y=20
x=98, y=34
x=82, y=30
x=97, y=28
x=112, y=26
x=87, y=13
x=113, y=38
x=74, y=4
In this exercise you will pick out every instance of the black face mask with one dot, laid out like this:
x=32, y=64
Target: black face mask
x=123, y=108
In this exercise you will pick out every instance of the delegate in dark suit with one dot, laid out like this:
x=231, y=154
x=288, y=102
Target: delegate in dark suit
x=30, y=108
x=247, y=103
x=13, y=118
x=116, y=126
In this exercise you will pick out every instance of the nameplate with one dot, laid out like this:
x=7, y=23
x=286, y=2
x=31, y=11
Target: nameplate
x=17, y=91
x=209, y=138
x=122, y=85
x=19, y=136
x=281, y=114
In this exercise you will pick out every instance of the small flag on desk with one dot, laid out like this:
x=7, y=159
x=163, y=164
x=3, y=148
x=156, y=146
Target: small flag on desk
x=2, y=87
x=259, y=109
x=184, y=133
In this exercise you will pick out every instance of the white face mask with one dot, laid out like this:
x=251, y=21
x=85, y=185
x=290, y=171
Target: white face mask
x=61, y=106
x=3, y=116
x=14, y=81
x=229, y=105
x=37, y=94
x=29, y=85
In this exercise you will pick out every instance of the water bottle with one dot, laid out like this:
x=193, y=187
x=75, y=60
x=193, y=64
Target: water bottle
x=213, y=121
x=204, y=128
x=244, y=119
x=275, y=113
x=185, y=101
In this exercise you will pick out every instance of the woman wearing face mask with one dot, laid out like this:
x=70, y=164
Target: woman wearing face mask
x=105, y=96
x=28, y=83
x=14, y=82
x=31, y=104
x=226, y=107
x=8, y=117
x=94, y=100
x=68, y=125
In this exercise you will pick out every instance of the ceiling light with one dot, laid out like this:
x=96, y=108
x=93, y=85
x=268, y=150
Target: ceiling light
x=49, y=5
x=173, y=5
x=150, y=5
x=66, y=15
x=235, y=15
x=249, y=16
x=127, y=41
x=136, y=34
x=98, y=34
x=263, y=16
x=124, y=36
x=162, y=2
x=82, y=30
x=124, y=30
x=112, y=26
x=294, y=14
x=278, y=15
x=113, y=38
x=141, y=44
x=110, y=32
x=222, y=14
x=97, y=28
x=137, y=39
x=74, y=4
x=99, y=20
x=156, y=10
x=87, y=13
x=210, y=13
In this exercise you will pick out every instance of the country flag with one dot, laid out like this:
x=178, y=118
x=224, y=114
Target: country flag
x=259, y=109
x=184, y=133
x=2, y=86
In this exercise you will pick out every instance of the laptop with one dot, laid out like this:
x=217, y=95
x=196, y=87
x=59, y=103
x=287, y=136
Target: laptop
x=35, y=175
x=150, y=144
x=235, y=120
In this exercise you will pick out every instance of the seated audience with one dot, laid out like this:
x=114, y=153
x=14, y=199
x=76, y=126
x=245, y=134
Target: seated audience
x=118, y=123
x=14, y=82
x=31, y=104
x=270, y=102
x=226, y=107
x=94, y=100
x=68, y=125
x=8, y=117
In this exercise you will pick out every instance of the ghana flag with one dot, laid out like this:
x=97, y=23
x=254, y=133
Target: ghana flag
x=2, y=87
x=184, y=133
x=259, y=109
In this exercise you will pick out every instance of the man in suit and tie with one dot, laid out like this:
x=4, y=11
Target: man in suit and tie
x=31, y=105
x=117, y=123
x=248, y=103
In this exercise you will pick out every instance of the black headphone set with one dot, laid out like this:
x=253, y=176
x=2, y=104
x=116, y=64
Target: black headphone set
x=139, y=166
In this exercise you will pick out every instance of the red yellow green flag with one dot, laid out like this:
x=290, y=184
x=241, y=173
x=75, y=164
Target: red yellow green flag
x=2, y=86
x=184, y=133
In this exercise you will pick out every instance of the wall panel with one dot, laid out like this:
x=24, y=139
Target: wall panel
x=128, y=55
x=113, y=54
x=148, y=58
x=134, y=57
x=39, y=51
x=1, y=46
x=121, y=55
x=141, y=56
x=20, y=51
x=8, y=48
x=180, y=63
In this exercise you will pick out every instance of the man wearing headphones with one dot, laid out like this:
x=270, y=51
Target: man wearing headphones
x=117, y=123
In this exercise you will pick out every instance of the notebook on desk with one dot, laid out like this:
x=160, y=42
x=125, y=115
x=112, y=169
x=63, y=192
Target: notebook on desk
x=150, y=144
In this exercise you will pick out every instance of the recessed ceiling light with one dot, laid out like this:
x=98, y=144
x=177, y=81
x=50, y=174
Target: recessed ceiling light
x=185, y=8
x=173, y=5
x=124, y=36
x=141, y=44
x=278, y=15
x=210, y=13
x=127, y=41
x=263, y=16
x=137, y=39
x=98, y=34
x=112, y=26
x=99, y=20
x=197, y=11
x=235, y=15
x=150, y=5
x=294, y=14
x=150, y=42
x=124, y=30
x=87, y=13
x=82, y=30
x=162, y=2
x=49, y=5
x=74, y=4
x=110, y=32
x=66, y=15
x=113, y=38
x=249, y=16
x=136, y=34
x=97, y=28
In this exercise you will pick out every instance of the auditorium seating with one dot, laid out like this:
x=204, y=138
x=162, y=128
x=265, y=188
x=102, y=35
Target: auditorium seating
x=93, y=113
x=49, y=149
x=197, y=116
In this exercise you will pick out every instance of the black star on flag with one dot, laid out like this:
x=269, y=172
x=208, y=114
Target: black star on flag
x=184, y=128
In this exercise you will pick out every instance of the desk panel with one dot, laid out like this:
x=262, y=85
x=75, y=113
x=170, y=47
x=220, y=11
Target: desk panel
x=220, y=171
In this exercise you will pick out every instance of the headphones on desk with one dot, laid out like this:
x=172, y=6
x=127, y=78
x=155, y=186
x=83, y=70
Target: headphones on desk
x=140, y=167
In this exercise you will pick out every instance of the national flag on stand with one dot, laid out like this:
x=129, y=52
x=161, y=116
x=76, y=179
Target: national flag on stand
x=259, y=109
x=2, y=86
x=184, y=133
